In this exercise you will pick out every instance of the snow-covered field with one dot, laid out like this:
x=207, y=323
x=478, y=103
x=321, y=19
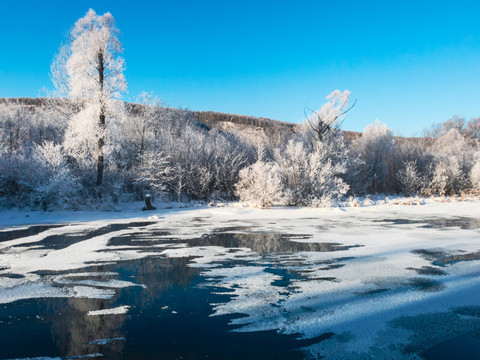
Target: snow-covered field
x=385, y=281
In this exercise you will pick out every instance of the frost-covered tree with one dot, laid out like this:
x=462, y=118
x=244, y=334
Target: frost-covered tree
x=446, y=176
x=205, y=163
x=153, y=172
x=378, y=150
x=309, y=169
x=54, y=183
x=22, y=128
x=475, y=174
x=453, y=161
x=261, y=184
x=455, y=122
x=472, y=130
x=145, y=117
x=314, y=164
x=454, y=144
x=411, y=179
x=313, y=176
x=89, y=70
x=329, y=118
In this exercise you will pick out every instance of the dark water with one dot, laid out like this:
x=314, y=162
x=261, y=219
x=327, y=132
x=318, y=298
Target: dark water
x=169, y=318
x=466, y=223
x=465, y=347
x=28, y=231
x=150, y=330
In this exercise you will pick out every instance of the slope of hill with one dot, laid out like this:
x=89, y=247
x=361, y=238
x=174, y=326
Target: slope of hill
x=257, y=129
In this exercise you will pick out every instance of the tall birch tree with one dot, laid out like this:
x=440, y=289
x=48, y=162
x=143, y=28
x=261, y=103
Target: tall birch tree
x=88, y=69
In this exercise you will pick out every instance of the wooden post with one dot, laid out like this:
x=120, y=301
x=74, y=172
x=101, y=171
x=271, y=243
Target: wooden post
x=148, y=203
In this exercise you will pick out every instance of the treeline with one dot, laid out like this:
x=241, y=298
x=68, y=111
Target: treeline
x=309, y=170
x=85, y=147
x=169, y=153
x=44, y=164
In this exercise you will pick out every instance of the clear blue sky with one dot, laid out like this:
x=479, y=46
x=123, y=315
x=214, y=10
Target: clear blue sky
x=408, y=63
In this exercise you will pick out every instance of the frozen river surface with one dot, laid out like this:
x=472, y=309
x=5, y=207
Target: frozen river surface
x=383, y=282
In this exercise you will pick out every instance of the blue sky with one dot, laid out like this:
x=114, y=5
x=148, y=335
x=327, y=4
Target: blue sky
x=408, y=63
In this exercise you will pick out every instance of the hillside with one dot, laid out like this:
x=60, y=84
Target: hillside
x=257, y=129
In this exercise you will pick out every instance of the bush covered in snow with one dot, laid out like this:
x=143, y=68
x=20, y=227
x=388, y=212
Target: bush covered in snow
x=261, y=184
x=378, y=151
x=308, y=170
x=412, y=181
x=475, y=173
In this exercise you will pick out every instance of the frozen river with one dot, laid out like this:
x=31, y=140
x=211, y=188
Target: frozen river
x=383, y=282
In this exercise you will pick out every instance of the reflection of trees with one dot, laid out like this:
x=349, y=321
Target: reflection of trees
x=73, y=329
x=264, y=243
x=461, y=222
x=158, y=274
x=464, y=223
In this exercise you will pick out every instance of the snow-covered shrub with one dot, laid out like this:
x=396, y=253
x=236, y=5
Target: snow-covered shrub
x=15, y=180
x=475, y=174
x=378, y=151
x=447, y=176
x=153, y=173
x=411, y=179
x=261, y=184
x=308, y=170
x=453, y=159
x=204, y=162
x=454, y=144
x=54, y=183
x=312, y=176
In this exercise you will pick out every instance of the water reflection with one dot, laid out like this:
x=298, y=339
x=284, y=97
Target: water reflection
x=262, y=243
x=61, y=241
x=444, y=258
x=74, y=332
x=6, y=235
x=265, y=243
x=169, y=316
x=465, y=223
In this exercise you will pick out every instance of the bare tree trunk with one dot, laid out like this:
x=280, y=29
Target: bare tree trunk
x=101, y=122
x=101, y=142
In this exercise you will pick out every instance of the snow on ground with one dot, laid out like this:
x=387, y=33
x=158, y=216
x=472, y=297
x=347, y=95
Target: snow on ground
x=371, y=270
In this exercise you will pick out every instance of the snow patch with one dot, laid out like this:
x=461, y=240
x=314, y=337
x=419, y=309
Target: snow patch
x=113, y=311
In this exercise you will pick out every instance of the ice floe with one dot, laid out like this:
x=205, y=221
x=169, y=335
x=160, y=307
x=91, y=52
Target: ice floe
x=113, y=311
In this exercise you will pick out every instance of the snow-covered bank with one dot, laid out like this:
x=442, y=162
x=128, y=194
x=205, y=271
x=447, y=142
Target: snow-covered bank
x=359, y=273
x=133, y=210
